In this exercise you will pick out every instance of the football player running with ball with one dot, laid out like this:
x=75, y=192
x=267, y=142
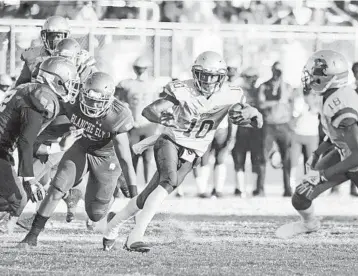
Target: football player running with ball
x=326, y=73
x=191, y=111
x=104, y=146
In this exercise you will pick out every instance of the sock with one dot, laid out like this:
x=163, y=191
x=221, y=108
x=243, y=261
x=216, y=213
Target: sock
x=240, y=181
x=38, y=225
x=122, y=216
x=219, y=177
x=150, y=207
x=203, y=178
x=293, y=177
x=308, y=214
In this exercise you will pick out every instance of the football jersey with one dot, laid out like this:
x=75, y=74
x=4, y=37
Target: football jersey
x=138, y=94
x=33, y=57
x=36, y=96
x=335, y=107
x=99, y=132
x=196, y=117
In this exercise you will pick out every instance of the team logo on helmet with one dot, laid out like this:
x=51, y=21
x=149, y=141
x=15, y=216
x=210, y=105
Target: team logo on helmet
x=320, y=67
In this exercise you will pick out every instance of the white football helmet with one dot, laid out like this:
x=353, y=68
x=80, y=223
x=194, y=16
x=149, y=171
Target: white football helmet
x=53, y=31
x=97, y=95
x=325, y=69
x=61, y=75
x=209, y=72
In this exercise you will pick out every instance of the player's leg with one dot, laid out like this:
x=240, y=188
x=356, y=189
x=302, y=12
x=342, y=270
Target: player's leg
x=258, y=160
x=149, y=200
x=70, y=170
x=283, y=140
x=221, y=154
x=102, y=182
x=13, y=197
x=202, y=174
x=239, y=157
x=296, y=151
x=148, y=155
x=302, y=200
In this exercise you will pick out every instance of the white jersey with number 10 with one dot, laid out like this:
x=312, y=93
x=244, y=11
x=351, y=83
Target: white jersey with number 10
x=196, y=117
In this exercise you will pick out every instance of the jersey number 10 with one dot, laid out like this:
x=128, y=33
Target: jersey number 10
x=205, y=127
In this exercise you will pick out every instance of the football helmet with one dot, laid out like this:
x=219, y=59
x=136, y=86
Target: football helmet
x=68, y=48
x=325, y=69
x=209, y=72
x=61, y=75
x=141, y=64
x=53, y=31
x=97, y=95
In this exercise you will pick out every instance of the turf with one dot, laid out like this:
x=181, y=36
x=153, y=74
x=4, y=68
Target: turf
x=189, y=236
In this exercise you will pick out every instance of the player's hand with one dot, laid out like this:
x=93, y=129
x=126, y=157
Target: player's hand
x=167, y=119
x=69, y=138
x=314, y=177
x=34, y=190
x=311, y=162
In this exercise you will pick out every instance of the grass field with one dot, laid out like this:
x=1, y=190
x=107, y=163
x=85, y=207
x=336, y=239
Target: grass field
x=228, y=236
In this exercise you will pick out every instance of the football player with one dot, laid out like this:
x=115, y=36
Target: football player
x=104, y=146
x=54, y=30
x=139, y=93
x=191, y=112
x=222, y=144
x=25, y=111
x=326, y=73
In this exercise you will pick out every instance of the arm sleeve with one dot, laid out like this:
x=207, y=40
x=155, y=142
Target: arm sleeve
x=25, y=75
x=31, y=123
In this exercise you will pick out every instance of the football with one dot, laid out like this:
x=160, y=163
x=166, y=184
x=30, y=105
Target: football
x=233, y=113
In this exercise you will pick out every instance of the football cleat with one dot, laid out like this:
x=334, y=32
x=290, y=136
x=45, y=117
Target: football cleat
x=108, y=244
x=292, y=229
x=29, y=241
x=139, y=246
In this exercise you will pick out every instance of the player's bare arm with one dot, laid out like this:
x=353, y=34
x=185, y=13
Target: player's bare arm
x=122, y=148
x=322, y=148
x=157, y=110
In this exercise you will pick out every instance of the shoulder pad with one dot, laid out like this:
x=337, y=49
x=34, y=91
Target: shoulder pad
x=32, y=53
x=173, y=87
x=45, y=101
x=123, y=117
x=342, y=107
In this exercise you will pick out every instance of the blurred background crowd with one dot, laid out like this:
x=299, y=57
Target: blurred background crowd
x=300, y=12
x=268, y=69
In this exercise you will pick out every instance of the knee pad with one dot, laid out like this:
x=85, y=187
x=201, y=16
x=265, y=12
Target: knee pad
x=300, y=202
x=96, y=211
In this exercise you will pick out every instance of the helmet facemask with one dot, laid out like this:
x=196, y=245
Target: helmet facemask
x=67, y=91
x=208, y=81
x=50, y=39
x=93, y=103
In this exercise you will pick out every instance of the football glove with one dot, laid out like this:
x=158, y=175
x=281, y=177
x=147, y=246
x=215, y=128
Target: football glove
x=311, y=162
x=314, y=177
x=34, y=190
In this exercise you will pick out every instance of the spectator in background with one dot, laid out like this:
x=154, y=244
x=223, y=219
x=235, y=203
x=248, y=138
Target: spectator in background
x=305, y=138
x=355, y=73
x=5, y=84
x=275, y=101
x=249, y=140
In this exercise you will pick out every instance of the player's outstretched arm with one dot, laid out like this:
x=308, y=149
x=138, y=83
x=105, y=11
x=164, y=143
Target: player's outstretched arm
x=350, y=134
x=123, y=152
x=155, y=110
x=25, y=76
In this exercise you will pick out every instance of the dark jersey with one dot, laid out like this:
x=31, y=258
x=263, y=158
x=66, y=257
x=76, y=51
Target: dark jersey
x=25, y=111
x=99, y=132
